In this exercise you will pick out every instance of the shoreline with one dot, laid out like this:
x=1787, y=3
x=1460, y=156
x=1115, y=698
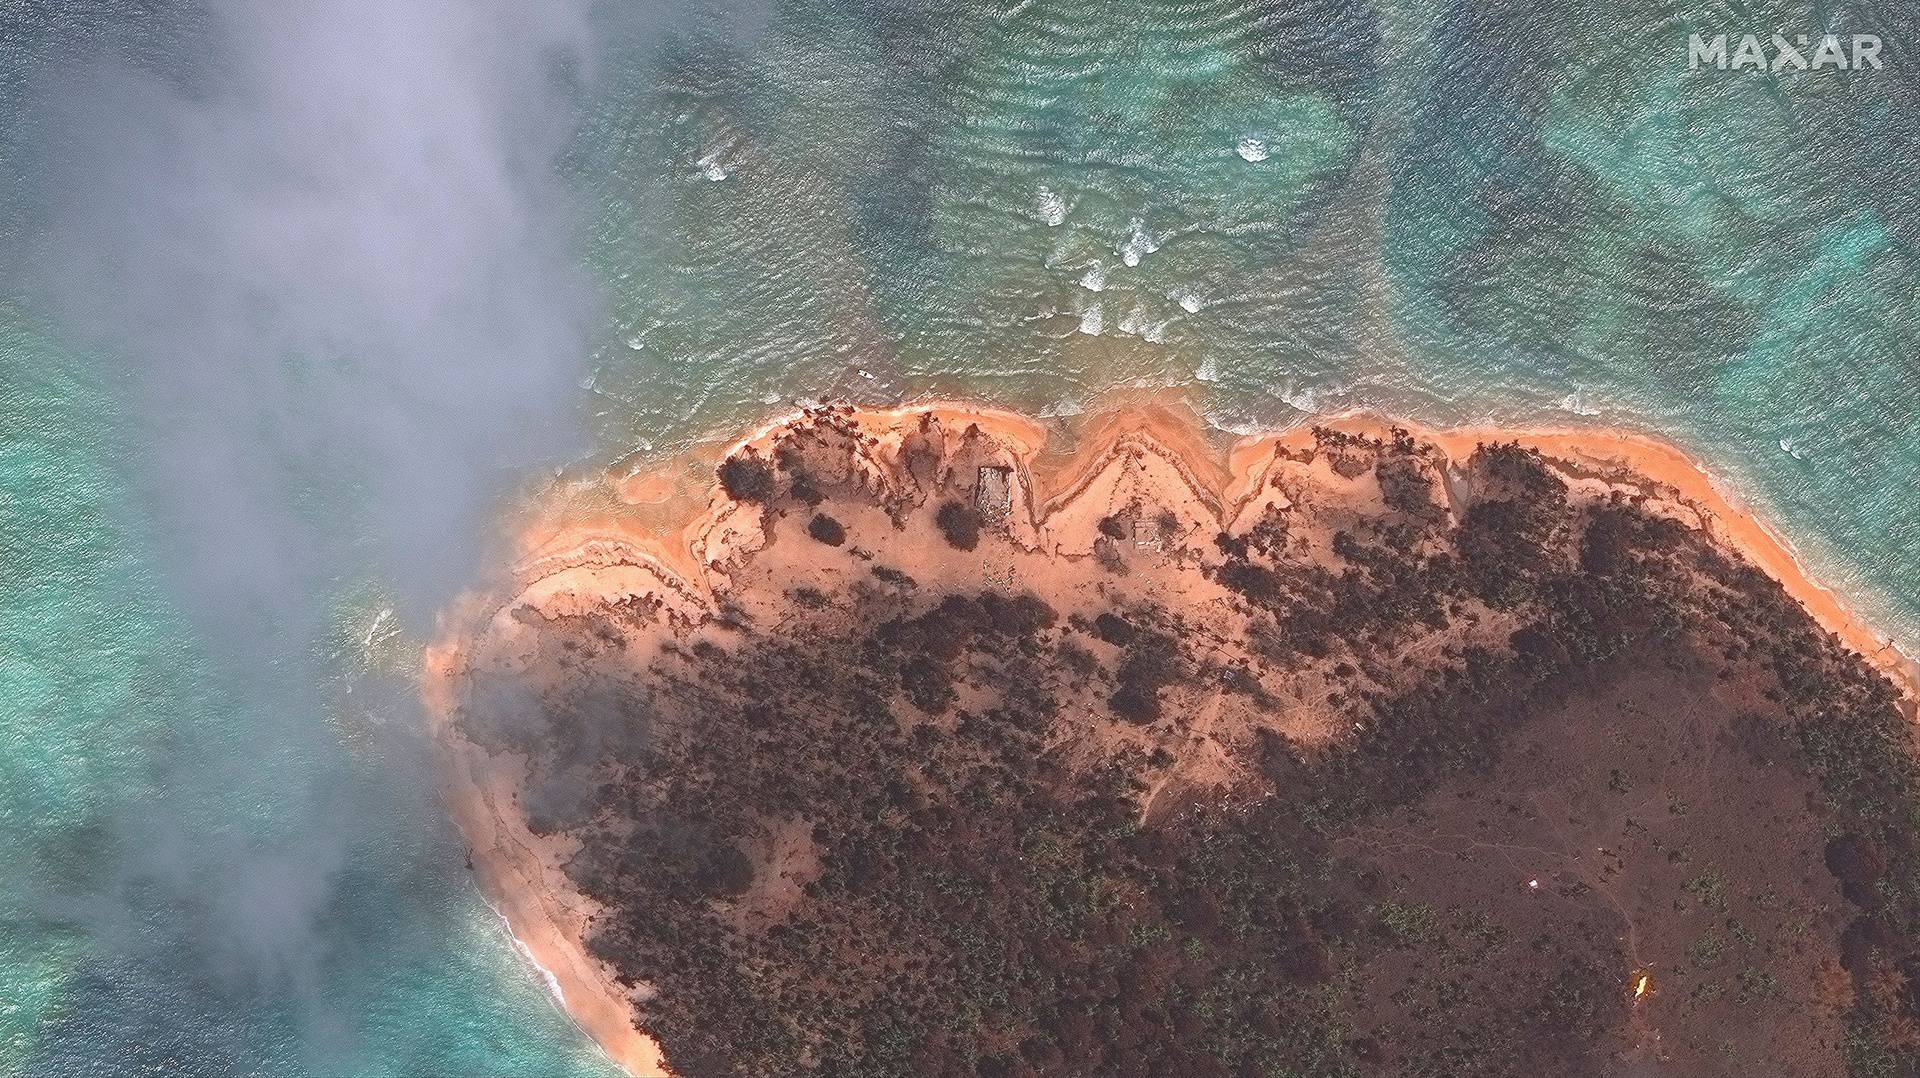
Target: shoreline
x=677, y=538
x=516, y=872
x=1628, y=457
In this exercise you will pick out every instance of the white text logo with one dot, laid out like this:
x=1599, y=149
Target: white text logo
x=1780, y=53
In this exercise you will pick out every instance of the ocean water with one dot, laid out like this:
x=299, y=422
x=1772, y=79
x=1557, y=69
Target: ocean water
x=226, y=859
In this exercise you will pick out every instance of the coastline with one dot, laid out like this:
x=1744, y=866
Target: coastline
x=678, y=537
x=520, y=878
x=1667, y=472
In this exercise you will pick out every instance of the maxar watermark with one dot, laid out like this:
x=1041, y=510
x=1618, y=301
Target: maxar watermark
x=1832, y=52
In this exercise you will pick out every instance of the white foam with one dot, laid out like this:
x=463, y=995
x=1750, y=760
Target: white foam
x=711, y=168
x=1188, y=300
x=1095, y=279
x=1139, y=243
x=1242, y=428
x=1092, y=321
x=526, y=952
x=1050, y=206
x=1578, y=403
x=373, y=631
x=1208, y=370
x=1251, y=149
x=1136, y=323
x=553, y=983
x=1305, y=398
x=1792, y=448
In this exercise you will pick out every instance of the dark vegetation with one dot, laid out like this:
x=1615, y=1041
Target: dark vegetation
x=968, y=899
x=959, y=523
x=826, y=529
x=746, y=477
x=1149, y=663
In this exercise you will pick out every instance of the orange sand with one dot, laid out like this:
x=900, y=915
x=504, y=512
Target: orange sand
x=520, y=875
x=674, y=524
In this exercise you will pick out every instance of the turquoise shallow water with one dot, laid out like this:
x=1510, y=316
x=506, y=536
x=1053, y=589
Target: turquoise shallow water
x=143, y=809
x=222, y=861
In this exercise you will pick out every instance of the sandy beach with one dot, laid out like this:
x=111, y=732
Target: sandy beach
x=520, y=875
x=674, y=539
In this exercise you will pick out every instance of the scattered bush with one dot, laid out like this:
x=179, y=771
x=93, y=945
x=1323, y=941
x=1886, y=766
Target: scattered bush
x=1406, y=486
x=803, y=489
x=1021, y=616
x=927, y=683
x=1150, y=663
x=746, y=477
x=827, y=530
x=960, y=524
x=1114, y=629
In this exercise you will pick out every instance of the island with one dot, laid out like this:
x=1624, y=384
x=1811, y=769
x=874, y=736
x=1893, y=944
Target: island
x=942, y=741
